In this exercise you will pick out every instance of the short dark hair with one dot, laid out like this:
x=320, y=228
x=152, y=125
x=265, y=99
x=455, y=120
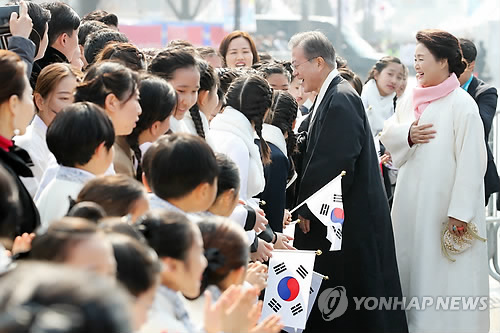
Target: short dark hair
x=116, y=194
x=87, y=210
x=268, y=69
x=87, y=28
x=64, y=20
x=102, y=16
x=170, y=234
x=33, y=294
x=177, y=164
x=53, y=244
x=97, y=40
x=315, y=44
x=443, y=45
x=137, y=265
x=107, y=78
x=469, y=50
x=77, y=131
x=40, y=17
x=229, y=175
x=168, y=61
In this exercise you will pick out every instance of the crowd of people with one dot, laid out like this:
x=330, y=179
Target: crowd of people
x=144, y=190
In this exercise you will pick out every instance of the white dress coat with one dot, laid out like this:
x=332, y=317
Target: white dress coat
x=437, y=180
x=34, y=142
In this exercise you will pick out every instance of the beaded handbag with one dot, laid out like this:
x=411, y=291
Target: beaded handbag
x=456, y=244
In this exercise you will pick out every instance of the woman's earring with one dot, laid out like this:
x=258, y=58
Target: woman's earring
x=17, y=131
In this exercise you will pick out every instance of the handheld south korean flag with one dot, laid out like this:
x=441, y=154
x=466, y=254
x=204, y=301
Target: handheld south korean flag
x=288, y=286
x=326, y=204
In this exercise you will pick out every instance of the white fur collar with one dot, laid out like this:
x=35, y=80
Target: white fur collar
x=273, y=134
x=235, y=122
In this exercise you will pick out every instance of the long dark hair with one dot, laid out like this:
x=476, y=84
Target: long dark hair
x=252, y=96
x=282, y=115
x=208, y=81
x=158, y=101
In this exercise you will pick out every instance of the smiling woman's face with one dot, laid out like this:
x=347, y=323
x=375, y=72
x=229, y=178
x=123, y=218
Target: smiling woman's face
x=430, y=71
x=239, y=53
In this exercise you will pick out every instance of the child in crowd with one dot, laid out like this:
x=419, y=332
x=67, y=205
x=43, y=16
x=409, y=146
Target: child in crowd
x=181, y=171
x=277, y=76
x=53, y=91
x=81, y=137
x=232, y=133
x=77, y=243
x=138, y=270
x=179, y=67
x=118, y=195
x=379, y=91
x=158, y=103
x=206, y=107
x=114, y=87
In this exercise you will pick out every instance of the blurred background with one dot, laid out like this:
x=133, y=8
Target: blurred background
x=368, y=28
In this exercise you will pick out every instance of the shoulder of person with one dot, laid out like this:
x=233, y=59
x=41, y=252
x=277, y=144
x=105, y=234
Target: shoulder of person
x=462, y=98
x=484, y=88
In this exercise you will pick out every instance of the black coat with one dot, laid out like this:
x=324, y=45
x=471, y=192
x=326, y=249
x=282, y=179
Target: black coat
x=17, y=162
x=486, y=99
x=51, y=56
x=340, y=139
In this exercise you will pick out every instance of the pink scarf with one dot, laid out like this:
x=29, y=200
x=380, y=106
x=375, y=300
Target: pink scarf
x=422, y=97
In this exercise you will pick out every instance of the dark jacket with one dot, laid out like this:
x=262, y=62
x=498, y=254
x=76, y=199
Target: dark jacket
x=339, y=138
x=25, y=49
x=486, y=99
x=51, y=56
x=17, y=162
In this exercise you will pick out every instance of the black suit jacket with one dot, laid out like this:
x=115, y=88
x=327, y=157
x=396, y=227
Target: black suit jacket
x=486, y=99
x=339, y=138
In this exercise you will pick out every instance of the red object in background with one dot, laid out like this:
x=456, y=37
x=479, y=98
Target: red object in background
x=217, y=34
x=143, y=36
x=194, y=34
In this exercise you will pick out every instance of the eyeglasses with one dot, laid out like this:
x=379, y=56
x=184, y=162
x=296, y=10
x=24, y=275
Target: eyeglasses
x=294, y=67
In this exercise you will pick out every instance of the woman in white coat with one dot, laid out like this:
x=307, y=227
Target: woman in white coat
x=436, y=139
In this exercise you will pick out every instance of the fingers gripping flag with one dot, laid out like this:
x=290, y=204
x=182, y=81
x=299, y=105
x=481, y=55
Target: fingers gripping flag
x=288, y=286
x=326, y=204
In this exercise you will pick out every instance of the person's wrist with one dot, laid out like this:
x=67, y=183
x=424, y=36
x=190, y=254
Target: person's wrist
x=275, y=238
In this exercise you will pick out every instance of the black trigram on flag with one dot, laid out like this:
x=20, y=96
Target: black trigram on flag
x=280, y=268
x=337, y=198
x=302, y=271
x=311, y=290
x=338, y=232
x=324, y=209
x=296, y=309
x=273, y=304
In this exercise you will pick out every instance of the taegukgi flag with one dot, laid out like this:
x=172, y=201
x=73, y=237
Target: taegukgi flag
x=326, y=204
x=288, y=286
x=316, y=281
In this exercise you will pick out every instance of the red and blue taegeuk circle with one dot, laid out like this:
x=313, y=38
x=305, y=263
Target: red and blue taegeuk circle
x=337, y=215
x=288, y=288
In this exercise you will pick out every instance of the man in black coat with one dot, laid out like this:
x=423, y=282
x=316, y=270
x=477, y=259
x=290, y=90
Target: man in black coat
x=339, y=138
x=63, y=37
x=486, y=99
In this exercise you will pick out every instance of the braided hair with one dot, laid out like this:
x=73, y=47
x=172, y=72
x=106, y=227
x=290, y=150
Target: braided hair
x=282, y=115
x=252, y=96
x=208, y=81
x=158, y=101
